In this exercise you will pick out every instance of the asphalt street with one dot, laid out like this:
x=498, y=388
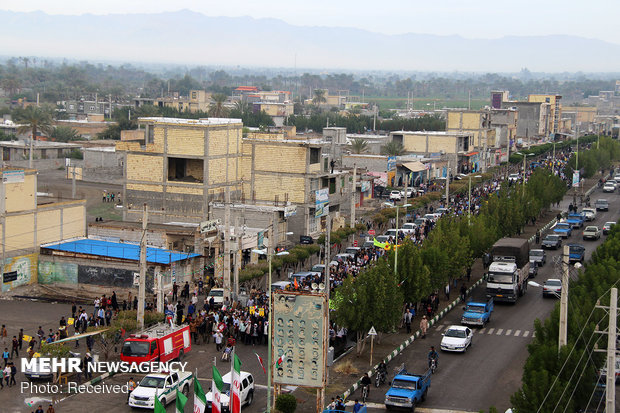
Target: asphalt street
x=490, y=371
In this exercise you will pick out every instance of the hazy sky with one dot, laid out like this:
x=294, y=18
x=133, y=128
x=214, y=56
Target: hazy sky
x=468, y=18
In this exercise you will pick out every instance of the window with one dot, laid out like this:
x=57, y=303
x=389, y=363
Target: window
x=244, y=384
x=315, y=155
x=185, y=170
x=193, y=95
x=150, y=134
x=153, y=346
x=332, y=185
x=92, y=108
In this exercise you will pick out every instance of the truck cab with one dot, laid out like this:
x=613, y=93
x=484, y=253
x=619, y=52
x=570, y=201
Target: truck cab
x=161, y=385
x=576, y=253
x=477, y=313
x=408, y=390
x=576, y=220
x=162, y=342
x=502, y=282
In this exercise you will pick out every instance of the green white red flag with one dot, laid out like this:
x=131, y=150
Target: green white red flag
x=235, y=399
x=216, y=391
x=200, y=400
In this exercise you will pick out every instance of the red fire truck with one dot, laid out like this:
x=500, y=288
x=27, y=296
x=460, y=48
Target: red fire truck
x=161, y=342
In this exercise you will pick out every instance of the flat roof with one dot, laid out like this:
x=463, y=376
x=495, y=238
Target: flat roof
x=199, y=122
x=119, y=250
x=39, y=144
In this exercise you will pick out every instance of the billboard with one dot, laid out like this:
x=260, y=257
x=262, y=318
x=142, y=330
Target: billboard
x=299, y=341
x=576, y=179
x=391, y=163
x=322, y=203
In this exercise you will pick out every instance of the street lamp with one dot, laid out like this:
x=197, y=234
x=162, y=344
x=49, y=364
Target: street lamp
x=525, y=155
x=469, y=204
x=396, y=243
x=270, y=319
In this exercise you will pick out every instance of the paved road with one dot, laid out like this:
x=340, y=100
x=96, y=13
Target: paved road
x=490, y=372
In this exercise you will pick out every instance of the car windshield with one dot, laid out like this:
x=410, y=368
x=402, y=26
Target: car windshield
x=456, y=333
x=535, y=253
x=562, y=226
x=552, y=238
x=500, y=278
x=578, y=249
x=554, y=283
x=601, y=201
x=155, y=382
x=475, y=309
x=318, y=268
x=216, y=293
x=592, y=229
x=403, y=384
x=135, y=348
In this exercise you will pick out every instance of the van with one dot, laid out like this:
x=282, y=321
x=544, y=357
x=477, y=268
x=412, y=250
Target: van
x=352, y=250
x=280, y=285
x=218, y=296
x=301, y=276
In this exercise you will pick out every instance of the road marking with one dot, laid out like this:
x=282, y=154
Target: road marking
x=491, y=330
x=508, y=332
x=526, y=333
x=517, y=333
x=499, y=331
x=482, y=330
x=440, y=327
x=534, y=334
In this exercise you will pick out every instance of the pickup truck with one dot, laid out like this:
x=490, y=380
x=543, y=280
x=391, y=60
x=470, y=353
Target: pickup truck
x=576, y=253
x=576, y=220
x=161, y=385
x=407, y=389
x=477, y=313
x=563, y=229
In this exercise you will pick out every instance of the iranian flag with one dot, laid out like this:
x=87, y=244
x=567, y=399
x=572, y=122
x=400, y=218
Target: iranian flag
x=200, y=401
x=158, y=408
x=216, y=388
x=235, y=400
x=280, y=361
x=180, y=404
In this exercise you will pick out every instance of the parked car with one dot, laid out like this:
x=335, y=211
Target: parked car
x=457, y=338
x=591, y=232
x=409, y=227
x=552, y=241
x=590, y=213
x=607, y=227
x=539, y=256
x=613, y=182
x=601, y=205
x=552, y=287
x=409, y=191
x=609, y=187
x=395, y=196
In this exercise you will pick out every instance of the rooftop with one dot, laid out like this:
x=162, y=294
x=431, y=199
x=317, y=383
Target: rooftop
x=118, y=250
x=200, y=122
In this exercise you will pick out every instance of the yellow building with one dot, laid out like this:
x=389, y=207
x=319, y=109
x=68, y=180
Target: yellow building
x=275, y=109
x=555, y=109
x=25, y=224
x=197, y=100
x=180, y=167
x=584, y=114
x=475, y=122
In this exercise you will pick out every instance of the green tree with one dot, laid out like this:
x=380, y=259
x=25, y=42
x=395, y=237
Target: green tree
x=372, y=299
x=359, y=145
x=217, y=108
x=286, y=403
x=319, y=97
x=34, y=119
x=392, y=149
x=65, y=134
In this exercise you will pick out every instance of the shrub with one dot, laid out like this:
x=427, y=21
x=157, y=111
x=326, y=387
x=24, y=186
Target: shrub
x=286, y=403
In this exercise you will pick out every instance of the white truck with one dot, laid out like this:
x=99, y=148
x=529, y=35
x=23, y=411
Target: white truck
x=161, y=385
x=508, y=274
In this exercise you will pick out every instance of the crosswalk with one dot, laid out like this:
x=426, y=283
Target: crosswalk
x=496, y=331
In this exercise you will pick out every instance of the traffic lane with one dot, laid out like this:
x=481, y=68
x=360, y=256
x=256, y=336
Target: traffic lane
x=30, y=314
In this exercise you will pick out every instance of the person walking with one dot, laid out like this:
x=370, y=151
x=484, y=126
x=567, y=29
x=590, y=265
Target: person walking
x=4, y=335
x=446, y=291
x=13, y=374
x=424, y=326
x=407, y=319
x=7, y=374
x=131, y=385
x=463, y=292
x=5, y=356
x=14, y=347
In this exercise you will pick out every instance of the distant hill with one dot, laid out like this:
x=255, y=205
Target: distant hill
x=186, y=37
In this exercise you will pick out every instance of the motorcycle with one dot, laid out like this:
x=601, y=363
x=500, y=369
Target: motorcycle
x=380, y=378
x=433, y=365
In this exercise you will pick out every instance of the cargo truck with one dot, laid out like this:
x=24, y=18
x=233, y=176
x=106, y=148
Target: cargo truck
x=509, y=270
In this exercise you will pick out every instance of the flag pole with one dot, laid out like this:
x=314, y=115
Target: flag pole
x=231, y=398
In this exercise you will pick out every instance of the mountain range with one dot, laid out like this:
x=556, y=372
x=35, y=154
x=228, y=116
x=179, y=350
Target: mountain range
x=191, y=38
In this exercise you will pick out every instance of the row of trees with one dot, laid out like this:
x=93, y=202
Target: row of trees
x=568, y=379
x=361, y=123
x=376, y=295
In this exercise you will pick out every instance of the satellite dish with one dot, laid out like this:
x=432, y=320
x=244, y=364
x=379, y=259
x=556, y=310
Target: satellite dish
x=321, y=286
x=314, y=286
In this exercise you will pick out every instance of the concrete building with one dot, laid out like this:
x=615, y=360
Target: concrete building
x=81, y=109
x=533, y=121
x=27, y=222
x=87, y=127
x=180, y=167
x=456, y=147
x=197, y=100
x=45, y=155
x=555, y=109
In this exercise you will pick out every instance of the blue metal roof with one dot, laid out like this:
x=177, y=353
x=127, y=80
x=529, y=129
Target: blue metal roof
x=120, y=250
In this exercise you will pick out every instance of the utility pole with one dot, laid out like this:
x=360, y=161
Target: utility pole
x=562, y=339
x=73, y=182
x=142, y=285
x=237, y=260
x=610, y=388
x=447, y=184
x=328, y=230
x=159, y=290
x=226, y=277
x=353, y=195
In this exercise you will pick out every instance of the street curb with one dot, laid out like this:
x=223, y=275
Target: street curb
x=411, y=339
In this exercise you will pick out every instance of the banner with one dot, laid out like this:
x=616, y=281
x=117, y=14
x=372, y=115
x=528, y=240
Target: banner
x=322, y=203
x=576, y=179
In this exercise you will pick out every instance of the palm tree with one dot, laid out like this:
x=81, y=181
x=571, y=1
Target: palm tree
x=393, y=149
x=217, y=108
x=34, y=119
x=65, y=134
x=319, y=96
x=359, y=145
x=242, y=107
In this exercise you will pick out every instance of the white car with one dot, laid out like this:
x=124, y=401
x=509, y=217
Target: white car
x=410, y=192
x=161, y=385
x=246, y=391
x=590, y=213
x=609, y=187
x=218, y=296
x=613, y=182
x=514, y=178
x=395, y=196
x=457, y=338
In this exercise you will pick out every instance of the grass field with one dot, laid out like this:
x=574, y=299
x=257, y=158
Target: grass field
x=107, y=211
x=386, y=103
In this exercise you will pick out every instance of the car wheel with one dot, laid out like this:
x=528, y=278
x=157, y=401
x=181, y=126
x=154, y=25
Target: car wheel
x=164, y=402
x=181, y=354
x=185, y=390
x=249, y=399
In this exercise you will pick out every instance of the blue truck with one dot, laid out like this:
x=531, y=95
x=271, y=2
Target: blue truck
x=576, y=253
x=408, y=390
x=477, y=313
x=576, y=220
x=563, y=229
